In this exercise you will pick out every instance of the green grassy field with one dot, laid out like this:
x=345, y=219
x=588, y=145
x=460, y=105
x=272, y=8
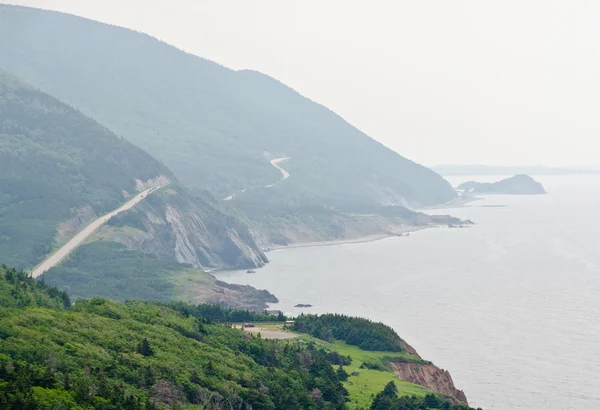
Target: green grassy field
x=367, y=383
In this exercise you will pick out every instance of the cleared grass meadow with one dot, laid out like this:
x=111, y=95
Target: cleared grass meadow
x=363, y=384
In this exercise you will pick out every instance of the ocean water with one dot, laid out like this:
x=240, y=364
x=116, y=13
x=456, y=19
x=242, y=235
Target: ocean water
x=510, y=306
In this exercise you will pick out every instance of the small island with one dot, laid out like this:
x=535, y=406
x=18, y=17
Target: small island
x=517, y=185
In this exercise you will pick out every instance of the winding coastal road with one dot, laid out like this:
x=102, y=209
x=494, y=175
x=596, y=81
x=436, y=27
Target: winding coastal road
x=275, y=162
x=284, y=173
x=60, y=254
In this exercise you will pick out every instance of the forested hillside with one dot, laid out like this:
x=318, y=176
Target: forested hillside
x=215, y=128
x=60, y=170
x=98, y=354
x=359, y=332
x=105, y=355
x=55, y=162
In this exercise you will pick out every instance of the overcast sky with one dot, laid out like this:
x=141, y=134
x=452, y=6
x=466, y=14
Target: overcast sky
x=493, y=82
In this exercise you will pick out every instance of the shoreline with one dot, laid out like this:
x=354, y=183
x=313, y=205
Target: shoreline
x=455, y=203
x=399, y=232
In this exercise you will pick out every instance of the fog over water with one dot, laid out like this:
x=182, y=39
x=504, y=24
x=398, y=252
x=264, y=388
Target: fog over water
x=509, y=306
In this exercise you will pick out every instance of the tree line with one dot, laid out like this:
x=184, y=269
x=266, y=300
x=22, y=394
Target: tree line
x=364, y=333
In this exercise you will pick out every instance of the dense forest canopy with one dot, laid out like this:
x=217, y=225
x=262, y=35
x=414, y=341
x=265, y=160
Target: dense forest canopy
x=105, y=355
x=218, y=313
x=363, y=333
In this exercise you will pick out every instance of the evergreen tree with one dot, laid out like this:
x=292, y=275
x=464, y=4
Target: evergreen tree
x=341, y=374
x=385, y=399
x=432, y=402
x=144, y=348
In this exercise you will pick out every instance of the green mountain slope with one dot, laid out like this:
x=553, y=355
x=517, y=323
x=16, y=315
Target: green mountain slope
x=106, y=355
x=54, y=161
x=214, y=127
x=60, y=170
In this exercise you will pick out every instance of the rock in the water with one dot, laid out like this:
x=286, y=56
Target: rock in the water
x=303, y=305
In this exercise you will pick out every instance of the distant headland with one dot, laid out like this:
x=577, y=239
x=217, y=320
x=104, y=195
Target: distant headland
x=517, y=185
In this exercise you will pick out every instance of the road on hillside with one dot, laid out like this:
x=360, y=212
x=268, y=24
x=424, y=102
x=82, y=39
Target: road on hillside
x=275, y=163
x=59, y=255
x=284, y=173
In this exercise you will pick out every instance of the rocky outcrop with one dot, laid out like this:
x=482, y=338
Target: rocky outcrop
x=517, y=185
x=429, y=376
x=173, y=224
x=240, y=296
x=157, y=182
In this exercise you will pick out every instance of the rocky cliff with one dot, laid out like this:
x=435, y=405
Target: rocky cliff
x=430, y=376
x=174, y=224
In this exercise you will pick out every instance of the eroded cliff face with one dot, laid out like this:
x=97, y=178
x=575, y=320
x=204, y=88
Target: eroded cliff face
x=430, y=376
x=173, y=224
x=69, y=228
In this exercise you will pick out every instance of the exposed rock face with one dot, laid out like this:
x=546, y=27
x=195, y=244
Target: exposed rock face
x=69, y=228
x=199, y=244
x=517, y=185
x=240, y=296
x=157, y=182
x=430, y=376
x=172, y=224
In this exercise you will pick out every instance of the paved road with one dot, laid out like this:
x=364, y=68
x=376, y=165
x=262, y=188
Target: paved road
x=275, y=163
x=286, y=175
x=59, y=255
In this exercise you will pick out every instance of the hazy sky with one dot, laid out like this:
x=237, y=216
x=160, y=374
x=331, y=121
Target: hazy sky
x=496, y=82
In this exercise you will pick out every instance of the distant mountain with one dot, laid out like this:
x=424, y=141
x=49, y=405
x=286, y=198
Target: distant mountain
x=517, y=185
x=214, y=127
x=456, y=170
x=60, y=170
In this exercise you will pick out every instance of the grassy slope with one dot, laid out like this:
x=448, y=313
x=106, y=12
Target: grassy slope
x=108, y=269
x=367, y=383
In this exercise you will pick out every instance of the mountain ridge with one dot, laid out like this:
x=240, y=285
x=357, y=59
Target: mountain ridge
x=60, y=169
x=249, y=112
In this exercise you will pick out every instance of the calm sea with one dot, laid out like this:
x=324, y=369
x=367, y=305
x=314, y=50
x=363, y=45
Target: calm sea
x=510, y=306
